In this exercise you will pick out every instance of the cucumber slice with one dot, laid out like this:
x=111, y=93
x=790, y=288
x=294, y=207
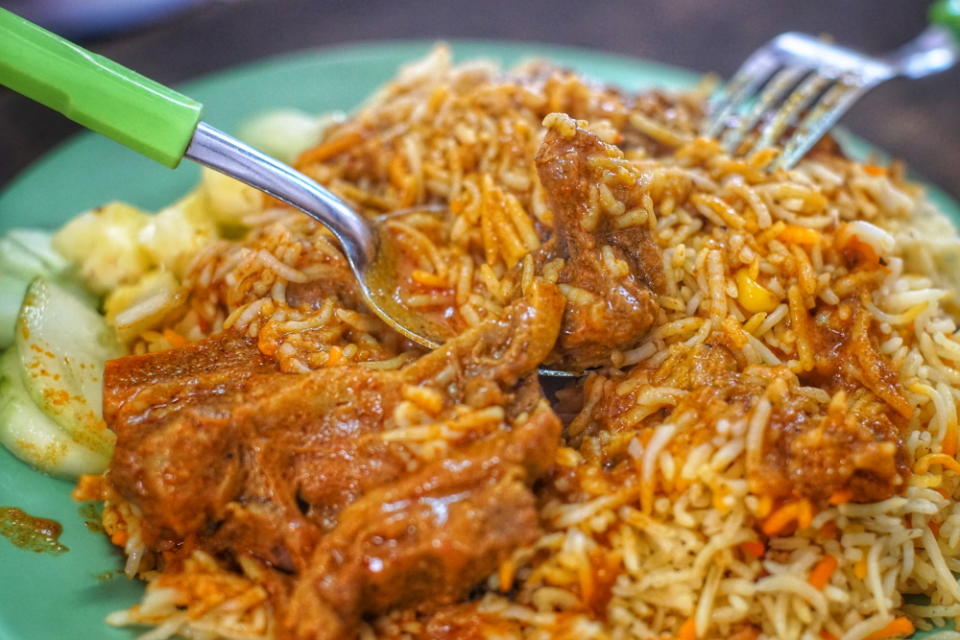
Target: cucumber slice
x=286, y=133
x=33, y=437
x=11, y=295
x=28, y=253
x=39, y=245
x=63, y=344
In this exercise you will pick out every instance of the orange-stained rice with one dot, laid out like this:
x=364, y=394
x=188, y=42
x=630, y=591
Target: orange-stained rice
x=651, y=520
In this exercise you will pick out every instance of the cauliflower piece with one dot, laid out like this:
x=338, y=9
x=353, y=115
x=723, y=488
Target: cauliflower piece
x=228, y=200
x=286, y=133
x=135, y=308
x=104, y=244
x=174, y=234
x=283, y=134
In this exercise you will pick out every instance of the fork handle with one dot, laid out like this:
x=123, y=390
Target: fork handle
x=946, y=13
x=96, y=92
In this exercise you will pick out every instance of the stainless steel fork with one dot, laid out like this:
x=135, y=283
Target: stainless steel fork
x=798, y=81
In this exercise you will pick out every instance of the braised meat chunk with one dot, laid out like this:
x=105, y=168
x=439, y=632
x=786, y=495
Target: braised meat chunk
x=812, y=449
x=856, y=448
x=376, y=489
x=610, y=269
x=159, y=382
x=180, y=476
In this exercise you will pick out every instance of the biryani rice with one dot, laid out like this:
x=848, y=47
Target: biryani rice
x=685, y=548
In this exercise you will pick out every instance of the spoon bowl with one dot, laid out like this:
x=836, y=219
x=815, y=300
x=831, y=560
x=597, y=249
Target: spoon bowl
x=371, y=253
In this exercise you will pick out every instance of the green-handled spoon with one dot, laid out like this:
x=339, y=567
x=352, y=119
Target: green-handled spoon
x=165, y=125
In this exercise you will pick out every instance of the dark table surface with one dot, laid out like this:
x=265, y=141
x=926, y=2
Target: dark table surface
x=917, y=120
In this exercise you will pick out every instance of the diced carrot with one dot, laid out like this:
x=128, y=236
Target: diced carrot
x=826, y=635
x=795, y=234
x=688, y=630
x=506, y=574
x=754, y=548
x=841, y=496
x=330, y=148
x=948, y=462
x=119, y=538
x=897, y=627
x=949, y=445
x=334, y=355
x=173, y=338
x=779, y=519
x=798, y=511
x=875, y=170
x=820, y=575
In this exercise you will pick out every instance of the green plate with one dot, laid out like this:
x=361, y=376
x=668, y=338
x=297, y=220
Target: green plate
x=67, y=596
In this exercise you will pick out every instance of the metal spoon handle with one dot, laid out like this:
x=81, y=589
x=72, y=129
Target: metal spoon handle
x=160, y=123
x=221, y=152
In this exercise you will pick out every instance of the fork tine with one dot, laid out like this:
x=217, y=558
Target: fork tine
x=831, y=106
x=751, y=75
x=773, y=94
x=813, y=86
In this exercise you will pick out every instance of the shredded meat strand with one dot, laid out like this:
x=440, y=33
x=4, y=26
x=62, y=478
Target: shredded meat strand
x=622, y=308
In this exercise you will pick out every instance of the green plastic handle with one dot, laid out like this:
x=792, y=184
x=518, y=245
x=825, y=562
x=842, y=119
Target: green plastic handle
x=95, y=92
x=946, y=13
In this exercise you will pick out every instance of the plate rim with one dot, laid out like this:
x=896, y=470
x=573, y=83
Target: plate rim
x=401, y=50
